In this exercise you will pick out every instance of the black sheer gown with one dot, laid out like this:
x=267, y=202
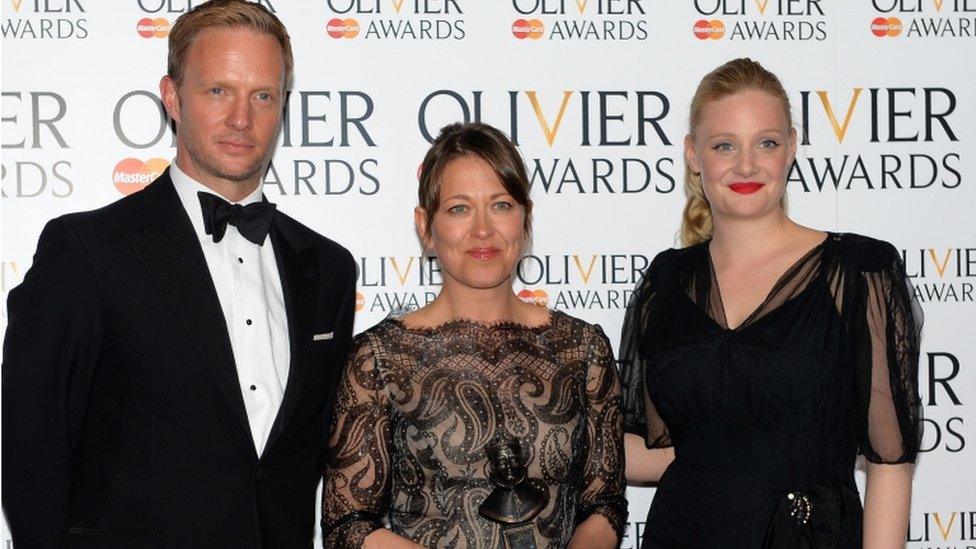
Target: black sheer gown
x=766, y=418
x=417, y=407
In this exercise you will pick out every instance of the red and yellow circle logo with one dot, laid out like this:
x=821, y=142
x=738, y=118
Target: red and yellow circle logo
x=360, y=301
x=705, y=29
x=132, y=175
x=342, y=28
x=528, y=28
x=534, y=297
x=886, y=26
x=153, y=28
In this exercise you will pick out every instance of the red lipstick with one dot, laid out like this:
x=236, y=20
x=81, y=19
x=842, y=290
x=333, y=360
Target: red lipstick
x=483, y=254
x=745, y=187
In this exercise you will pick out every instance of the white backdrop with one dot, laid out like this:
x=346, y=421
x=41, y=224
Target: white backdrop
x=596, y=93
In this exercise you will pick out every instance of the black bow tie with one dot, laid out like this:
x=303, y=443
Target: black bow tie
x=252, y=221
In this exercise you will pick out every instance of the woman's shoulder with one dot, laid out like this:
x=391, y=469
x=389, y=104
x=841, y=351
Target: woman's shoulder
x=678, y=255
x=671, y=264
x=375, y=335
x=865, y=253
x=582, y=331
x=562, y=319
x=570, y=336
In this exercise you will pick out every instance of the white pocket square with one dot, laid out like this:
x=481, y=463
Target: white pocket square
x=322, y=337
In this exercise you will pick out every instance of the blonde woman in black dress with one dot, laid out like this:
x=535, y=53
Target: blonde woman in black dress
x=427, y=398
x=763, y=356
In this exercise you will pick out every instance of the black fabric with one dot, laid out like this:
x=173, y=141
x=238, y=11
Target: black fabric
x=818, y=516
x=252, y=221
x=123, y=420
x=826, y=367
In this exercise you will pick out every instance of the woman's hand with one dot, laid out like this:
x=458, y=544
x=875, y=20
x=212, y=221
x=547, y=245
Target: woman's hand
x=594, y=533
x=383, y=539
x=645, y=465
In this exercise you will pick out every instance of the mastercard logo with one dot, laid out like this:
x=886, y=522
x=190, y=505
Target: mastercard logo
x=342, y=28
x=360, y=301
x=132, y=175
x=886, y=26
x=534, y=297
x=153, y=28
x=713, y=29
x=528, y=28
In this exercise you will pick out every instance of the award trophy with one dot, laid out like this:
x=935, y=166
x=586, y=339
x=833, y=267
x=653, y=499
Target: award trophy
x=516, y=499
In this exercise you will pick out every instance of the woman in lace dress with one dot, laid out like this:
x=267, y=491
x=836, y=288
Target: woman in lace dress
x=424, y=396
x=762, y=357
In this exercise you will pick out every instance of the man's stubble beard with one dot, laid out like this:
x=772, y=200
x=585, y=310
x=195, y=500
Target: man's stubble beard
x=210, y=166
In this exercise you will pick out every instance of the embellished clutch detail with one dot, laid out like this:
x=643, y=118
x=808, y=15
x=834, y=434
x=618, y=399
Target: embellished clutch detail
x=812, y=518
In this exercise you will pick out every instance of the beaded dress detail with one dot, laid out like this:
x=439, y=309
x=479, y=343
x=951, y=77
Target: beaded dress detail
x=417, y=408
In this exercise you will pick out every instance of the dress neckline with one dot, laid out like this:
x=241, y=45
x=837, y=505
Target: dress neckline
x=780, y=281
x=459, y=323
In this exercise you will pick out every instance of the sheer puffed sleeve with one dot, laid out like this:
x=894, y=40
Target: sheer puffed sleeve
x=603, y=473
x=640, y=416
x=356, y=486
x=886, y=333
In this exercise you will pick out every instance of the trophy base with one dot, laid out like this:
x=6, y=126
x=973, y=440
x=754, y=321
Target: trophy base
x=519, y=537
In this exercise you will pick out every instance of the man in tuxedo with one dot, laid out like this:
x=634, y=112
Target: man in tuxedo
x=170, y=359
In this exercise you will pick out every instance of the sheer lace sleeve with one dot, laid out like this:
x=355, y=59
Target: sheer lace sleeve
x=603, y=473
x=887, y=359
x=356, y=485
x=640, y=416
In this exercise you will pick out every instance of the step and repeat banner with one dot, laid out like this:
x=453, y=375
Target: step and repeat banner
x=595, y=93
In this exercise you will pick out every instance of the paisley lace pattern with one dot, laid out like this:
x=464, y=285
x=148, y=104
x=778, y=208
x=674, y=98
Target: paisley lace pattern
x=417, y=407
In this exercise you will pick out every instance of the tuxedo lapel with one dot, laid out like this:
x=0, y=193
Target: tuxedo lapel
x=170, y=251
x=297, y=268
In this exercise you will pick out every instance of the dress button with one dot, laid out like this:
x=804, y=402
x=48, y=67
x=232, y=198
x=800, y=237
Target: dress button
x=248, y=322
x=240, y=260
x=254, y=387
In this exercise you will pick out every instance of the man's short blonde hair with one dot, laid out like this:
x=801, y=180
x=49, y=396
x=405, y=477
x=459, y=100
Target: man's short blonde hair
x=229, y=14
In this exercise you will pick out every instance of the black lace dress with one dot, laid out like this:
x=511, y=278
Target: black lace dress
x=766, y=419
x=417, y=407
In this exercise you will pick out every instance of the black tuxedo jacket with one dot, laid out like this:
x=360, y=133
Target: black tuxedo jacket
x=123, y=420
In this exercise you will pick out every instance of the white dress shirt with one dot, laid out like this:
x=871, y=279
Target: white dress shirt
x=249, y=288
